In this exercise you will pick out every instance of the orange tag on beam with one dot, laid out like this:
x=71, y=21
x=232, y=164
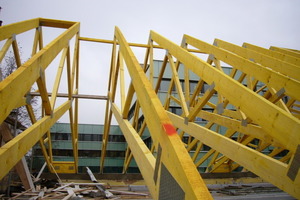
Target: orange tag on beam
x=169, y=129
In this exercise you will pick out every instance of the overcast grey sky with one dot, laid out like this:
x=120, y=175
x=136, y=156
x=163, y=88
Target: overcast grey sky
x=260, y=22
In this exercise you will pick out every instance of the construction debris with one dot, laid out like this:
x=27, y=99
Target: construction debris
x=102, y=191
x=78, y=191
x=56, y=189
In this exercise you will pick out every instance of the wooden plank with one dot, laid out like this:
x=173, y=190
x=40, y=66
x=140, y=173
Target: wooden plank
x=62, y=187
x=275, y=54
x=15, y=149
x=275, y=121
x=261, y=73
x=264, y=166
x=21, y=166
x=130, y=44
x=144, y=158
x=56, y=23
x=130, y=156
x=250, y=129
x=122, y=81
x=111, y=96
x=286, y=51
x=35, y=41
x=7, y=31
x=161, y=129
x=5, y=47
x=16, y=52
x=41, y=82
x=178, y=86
x=20, y=81
x=268, y=61
x=75, y=96
x=201, y=103
x=58, y=78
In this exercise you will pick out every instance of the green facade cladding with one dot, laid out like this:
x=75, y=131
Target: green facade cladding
x=90, y=135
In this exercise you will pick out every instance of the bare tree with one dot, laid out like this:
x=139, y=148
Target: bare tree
x=19, y=115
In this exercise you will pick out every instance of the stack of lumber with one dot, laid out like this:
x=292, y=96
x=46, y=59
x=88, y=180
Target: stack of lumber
x=80, y=191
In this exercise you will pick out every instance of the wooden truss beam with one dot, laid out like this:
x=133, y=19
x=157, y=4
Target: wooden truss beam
x=275, y=122
x=266, y=167
x=18, y=83
x=15, y=149
x=14, y=90
x=244, y=112
x=163, y=133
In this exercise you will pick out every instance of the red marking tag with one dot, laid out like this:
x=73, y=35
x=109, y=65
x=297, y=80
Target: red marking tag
x=169, y=129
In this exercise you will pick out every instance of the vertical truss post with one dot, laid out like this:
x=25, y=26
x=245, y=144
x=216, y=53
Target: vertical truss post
x=184, y=177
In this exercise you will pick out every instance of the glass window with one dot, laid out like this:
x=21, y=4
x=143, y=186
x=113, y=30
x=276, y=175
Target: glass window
x=87, y=137
x=65, y=136
x=205, y=87
x=176, y=110
x=164, y=85
x=193, y=85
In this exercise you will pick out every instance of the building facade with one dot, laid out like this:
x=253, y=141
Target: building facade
x=90, y=135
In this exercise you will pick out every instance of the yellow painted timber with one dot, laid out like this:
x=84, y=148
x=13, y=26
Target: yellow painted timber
x=275, y=54
x=41, y=82
x=75, y=69
x=175, y=99
x=268, y=118
x=136, y=115
x=20, y=81
x=243, y=140
x=178, y=86
x=35, y=41
x=205, y=157
x=197, y=151
x=196, y=92
x=195, y=141
x=56, y=23
x=151, y=67
x=122, y=81
x=286, y=51
x=129, y=157
x=228, y=134
x=47, y=156
x=261, y=73
x=48, y=136
x=276, y=122
x=144, y=158
x=184, y=172
x=130, y=44
x=15, y=149
x=221, y=167
x=201, y=103
x=16, y=52
x=250, y=129
x=7, y=31
x=128, y=154
x=128, y=100
x=58, y=78
x=111, y=95
x=161, y=73
x=65, y=167
x=266, y=167
x=41, y=42
x=6, y=136
x=5, y=48
x=268, y=61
